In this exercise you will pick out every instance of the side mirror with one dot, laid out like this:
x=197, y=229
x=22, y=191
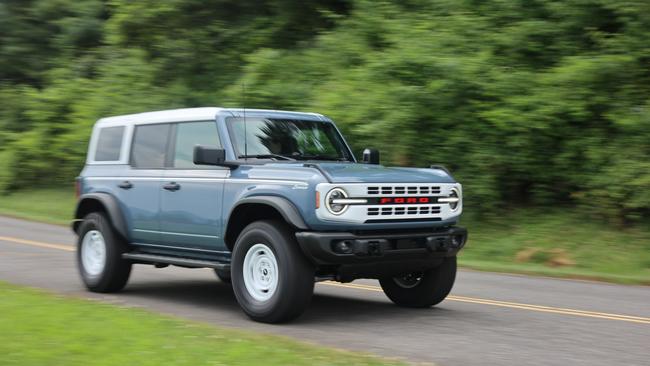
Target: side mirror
x=371, y=156
x=206, y=155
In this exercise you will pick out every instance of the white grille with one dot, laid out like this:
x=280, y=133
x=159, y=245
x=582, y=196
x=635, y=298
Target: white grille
x=375, y=212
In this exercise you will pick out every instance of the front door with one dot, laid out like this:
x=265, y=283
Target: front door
x=191, y=195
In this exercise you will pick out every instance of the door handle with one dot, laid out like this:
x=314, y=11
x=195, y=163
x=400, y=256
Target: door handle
x=173, y=186
x=125, y=185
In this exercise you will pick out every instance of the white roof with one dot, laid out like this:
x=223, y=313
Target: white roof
x=185, y=114
x=171, y=115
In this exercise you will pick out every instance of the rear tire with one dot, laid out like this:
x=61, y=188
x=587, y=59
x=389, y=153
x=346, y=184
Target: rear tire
x=424, y=289
x=99, y=255
x=272, y=280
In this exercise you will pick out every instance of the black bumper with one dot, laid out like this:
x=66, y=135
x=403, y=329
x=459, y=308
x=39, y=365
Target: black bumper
x=341, y=248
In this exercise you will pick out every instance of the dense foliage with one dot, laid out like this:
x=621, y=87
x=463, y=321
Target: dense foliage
x=534, y=102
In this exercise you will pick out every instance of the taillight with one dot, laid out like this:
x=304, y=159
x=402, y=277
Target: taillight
x=77, y=189
x=317, y=199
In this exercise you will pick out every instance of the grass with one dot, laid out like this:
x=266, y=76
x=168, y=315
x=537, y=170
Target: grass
x=53, y=206
x=39, y=328
x=558, y=243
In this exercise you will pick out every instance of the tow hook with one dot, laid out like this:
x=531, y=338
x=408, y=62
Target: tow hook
x=374, y=248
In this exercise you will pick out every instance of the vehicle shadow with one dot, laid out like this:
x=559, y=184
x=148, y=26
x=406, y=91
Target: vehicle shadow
x=217, y=297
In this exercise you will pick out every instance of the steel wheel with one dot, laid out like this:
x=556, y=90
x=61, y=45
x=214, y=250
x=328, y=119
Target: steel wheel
x=93, y=252
x=260, y=272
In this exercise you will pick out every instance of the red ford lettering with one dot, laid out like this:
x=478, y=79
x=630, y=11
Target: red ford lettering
x=403, y=200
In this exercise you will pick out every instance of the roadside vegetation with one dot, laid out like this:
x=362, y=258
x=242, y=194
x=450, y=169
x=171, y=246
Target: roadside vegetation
x=92, y=333
x=552, y=243
x=53, y=206
x=558, y=243
x=537, y=104
x=540, y=108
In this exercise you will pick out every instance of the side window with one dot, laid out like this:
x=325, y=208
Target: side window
x=190, y=134
x=109, y=144
x=149, y=146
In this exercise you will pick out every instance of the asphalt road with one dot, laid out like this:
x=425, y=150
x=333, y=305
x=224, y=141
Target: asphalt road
x=489, y=319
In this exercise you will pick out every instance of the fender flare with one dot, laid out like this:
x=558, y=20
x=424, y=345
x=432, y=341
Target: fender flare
x=111, y=206
x=287, y=209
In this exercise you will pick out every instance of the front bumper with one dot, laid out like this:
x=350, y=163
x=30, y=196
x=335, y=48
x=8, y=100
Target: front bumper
x=342, y=248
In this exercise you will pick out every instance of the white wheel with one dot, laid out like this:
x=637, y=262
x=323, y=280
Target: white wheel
x=93, y=252
x=260, y=272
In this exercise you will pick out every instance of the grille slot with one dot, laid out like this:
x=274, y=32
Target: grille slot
x=400, y=211
x=402, y=190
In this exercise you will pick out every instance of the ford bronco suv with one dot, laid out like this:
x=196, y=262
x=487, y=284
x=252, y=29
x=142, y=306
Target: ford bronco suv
x=273, y=201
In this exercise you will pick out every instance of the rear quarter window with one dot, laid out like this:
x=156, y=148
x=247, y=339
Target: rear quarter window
x=109, y=144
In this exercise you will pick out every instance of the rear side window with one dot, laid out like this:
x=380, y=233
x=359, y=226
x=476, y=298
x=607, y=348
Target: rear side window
x=190, y=134
x=109, y=144
x=149, y=146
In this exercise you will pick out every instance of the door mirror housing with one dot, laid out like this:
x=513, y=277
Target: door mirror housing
x=210, y=155
x=370, y=156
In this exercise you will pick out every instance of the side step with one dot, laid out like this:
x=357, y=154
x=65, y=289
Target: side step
x=183, y=262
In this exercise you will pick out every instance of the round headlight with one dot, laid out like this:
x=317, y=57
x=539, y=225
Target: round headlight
x=455, y=194
x=334, y=194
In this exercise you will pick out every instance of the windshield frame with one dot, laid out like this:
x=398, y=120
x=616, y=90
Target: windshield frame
x=347, y=152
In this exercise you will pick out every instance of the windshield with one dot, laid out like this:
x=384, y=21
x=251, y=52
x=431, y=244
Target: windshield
x=287, y=139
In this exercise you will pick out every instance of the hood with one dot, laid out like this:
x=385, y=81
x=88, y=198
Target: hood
x=370, y=173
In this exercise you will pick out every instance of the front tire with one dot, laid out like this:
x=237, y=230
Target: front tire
x=423, y=289
x=99, y=255
x=272, y=280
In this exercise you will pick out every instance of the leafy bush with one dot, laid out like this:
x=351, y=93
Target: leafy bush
x=542, y=103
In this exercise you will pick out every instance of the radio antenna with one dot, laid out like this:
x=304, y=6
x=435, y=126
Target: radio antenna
x=243, y=92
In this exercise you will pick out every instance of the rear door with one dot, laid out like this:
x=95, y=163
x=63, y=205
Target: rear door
x=139, y=188
x=191, y=196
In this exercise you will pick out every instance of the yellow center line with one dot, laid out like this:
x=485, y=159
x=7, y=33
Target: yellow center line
x=507, y=304
x=514, y=305
x=498, y=302
x=37, y=243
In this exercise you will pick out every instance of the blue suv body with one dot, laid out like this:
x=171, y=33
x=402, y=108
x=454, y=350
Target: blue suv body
x=272, y=200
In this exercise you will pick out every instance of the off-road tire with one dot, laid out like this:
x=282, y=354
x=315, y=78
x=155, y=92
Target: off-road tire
x=433, y=287
x=295, y=274
x=116, y=271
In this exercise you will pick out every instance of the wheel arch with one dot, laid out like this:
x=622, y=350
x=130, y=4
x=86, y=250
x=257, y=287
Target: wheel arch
x=100, y=202
x=257, y=208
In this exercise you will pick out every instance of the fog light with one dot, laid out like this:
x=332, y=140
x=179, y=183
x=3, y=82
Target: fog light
x=457, y=241
x=343, y=247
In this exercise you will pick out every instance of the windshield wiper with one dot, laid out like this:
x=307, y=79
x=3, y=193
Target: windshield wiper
x=265, y=156
x=319, y=157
